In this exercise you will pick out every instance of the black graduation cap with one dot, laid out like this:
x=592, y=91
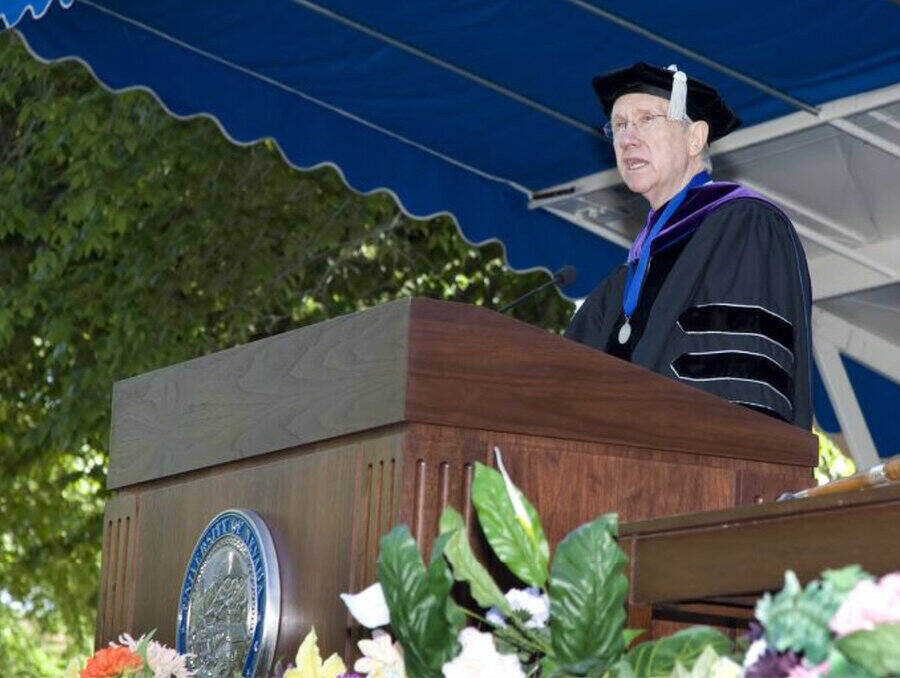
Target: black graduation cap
x=702, y=101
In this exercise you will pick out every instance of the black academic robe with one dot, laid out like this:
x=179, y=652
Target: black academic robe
x=725, y=305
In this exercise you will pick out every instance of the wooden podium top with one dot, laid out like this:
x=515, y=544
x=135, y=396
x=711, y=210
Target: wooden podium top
x=746, y=550
x=419, y=360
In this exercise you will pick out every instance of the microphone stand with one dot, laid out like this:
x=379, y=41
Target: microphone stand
x=564, y=276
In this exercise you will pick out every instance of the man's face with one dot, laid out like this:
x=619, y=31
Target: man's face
x=653, y=162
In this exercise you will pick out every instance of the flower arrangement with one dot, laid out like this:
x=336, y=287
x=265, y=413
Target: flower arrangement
x=844, y=625
x=141, y=658
x=381, y=658
x=569, y=619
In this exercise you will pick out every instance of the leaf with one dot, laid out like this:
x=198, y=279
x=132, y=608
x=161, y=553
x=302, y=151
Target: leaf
x=659, y=657
x=877, y=651
x=845, y=579
x=629, y=635
x=526, y=555
x=621, y=669
x=587, y=596
x=465, y=565
x=424, y=619
x=841, y=667
x=797, y=619
x=450, y=520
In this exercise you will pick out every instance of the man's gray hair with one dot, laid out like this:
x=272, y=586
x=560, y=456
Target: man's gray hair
x=706, y=159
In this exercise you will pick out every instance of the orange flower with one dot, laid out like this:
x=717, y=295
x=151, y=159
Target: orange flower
x=111, y=661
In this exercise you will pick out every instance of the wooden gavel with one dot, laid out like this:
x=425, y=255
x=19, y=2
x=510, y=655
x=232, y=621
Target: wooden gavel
x=882, y=474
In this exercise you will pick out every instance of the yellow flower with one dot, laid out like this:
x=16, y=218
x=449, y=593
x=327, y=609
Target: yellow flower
x=309, y=662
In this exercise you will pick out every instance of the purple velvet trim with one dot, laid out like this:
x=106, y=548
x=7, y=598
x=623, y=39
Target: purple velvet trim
x=696, y=207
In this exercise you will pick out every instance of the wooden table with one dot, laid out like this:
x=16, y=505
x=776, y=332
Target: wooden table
x=710, y=567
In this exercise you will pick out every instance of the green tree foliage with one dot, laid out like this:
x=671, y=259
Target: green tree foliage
x=833, y=464
x=130, y=240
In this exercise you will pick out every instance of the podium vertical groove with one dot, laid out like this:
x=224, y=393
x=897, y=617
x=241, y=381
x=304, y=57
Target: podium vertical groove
x=115, y=608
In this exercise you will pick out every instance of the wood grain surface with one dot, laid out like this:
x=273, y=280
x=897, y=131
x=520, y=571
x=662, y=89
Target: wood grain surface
x=119, y=556
x=337, y=377
x=308, y=499
x=574, y=481
x=500, y=374
x=747, y=550
x=421, y=361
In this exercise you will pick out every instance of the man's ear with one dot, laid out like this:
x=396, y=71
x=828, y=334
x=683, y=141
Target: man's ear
x=698, y=133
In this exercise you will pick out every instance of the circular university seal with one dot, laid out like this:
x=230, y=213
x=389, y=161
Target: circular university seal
x=230, y=600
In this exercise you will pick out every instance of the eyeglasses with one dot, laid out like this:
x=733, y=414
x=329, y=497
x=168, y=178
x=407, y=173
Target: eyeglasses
x=645, y=122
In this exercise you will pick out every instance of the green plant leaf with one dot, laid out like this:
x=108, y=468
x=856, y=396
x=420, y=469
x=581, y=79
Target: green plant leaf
x=841, y=667
x=621, y=669
x=659, y=657
x=845, y=579
x=525, y=552
x=424, y=618
x=450, y=520
x=587, y=596
x=877, y=651
x=629, y=635
x=440, y=580
x=797, y=619
x=465, y=565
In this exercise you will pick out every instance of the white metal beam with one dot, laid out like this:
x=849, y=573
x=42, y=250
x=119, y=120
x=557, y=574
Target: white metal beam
x=879, y=354
x=864, y=135
x=846, y=407
x=888, y=120
x=742, y=138
x=799, y=121
x=888, y=273
x=803, y=210
x=833, y=275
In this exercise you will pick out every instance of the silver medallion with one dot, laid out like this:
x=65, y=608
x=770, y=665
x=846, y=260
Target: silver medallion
x=624, y=332
x=230, y=599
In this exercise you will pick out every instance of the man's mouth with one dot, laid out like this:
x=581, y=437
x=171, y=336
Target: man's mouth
x=632, y=164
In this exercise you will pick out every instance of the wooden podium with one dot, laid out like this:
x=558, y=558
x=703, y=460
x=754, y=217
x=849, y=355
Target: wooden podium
x=335, y=432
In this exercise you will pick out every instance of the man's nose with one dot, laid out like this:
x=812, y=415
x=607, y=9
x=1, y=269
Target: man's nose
x=629, y=137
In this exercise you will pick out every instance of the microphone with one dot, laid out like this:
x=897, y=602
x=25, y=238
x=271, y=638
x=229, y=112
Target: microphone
x=563, y=277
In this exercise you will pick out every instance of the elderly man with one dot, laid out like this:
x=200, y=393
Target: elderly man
x=715, y=291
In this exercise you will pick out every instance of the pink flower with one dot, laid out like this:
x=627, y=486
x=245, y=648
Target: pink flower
x=868, y=604
x=162, y=660
x=803, y=671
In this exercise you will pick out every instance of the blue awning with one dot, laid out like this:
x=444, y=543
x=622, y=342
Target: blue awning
x=457, y=107
x=878, y=398
x=462, y=108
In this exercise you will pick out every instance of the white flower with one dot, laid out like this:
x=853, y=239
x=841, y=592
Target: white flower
x=368, y=607
x=163, y=661
x=480, y=659
x=381, y=658
x=495, y=617
x=532, y=606
x=533, y=602
x=754, y=652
